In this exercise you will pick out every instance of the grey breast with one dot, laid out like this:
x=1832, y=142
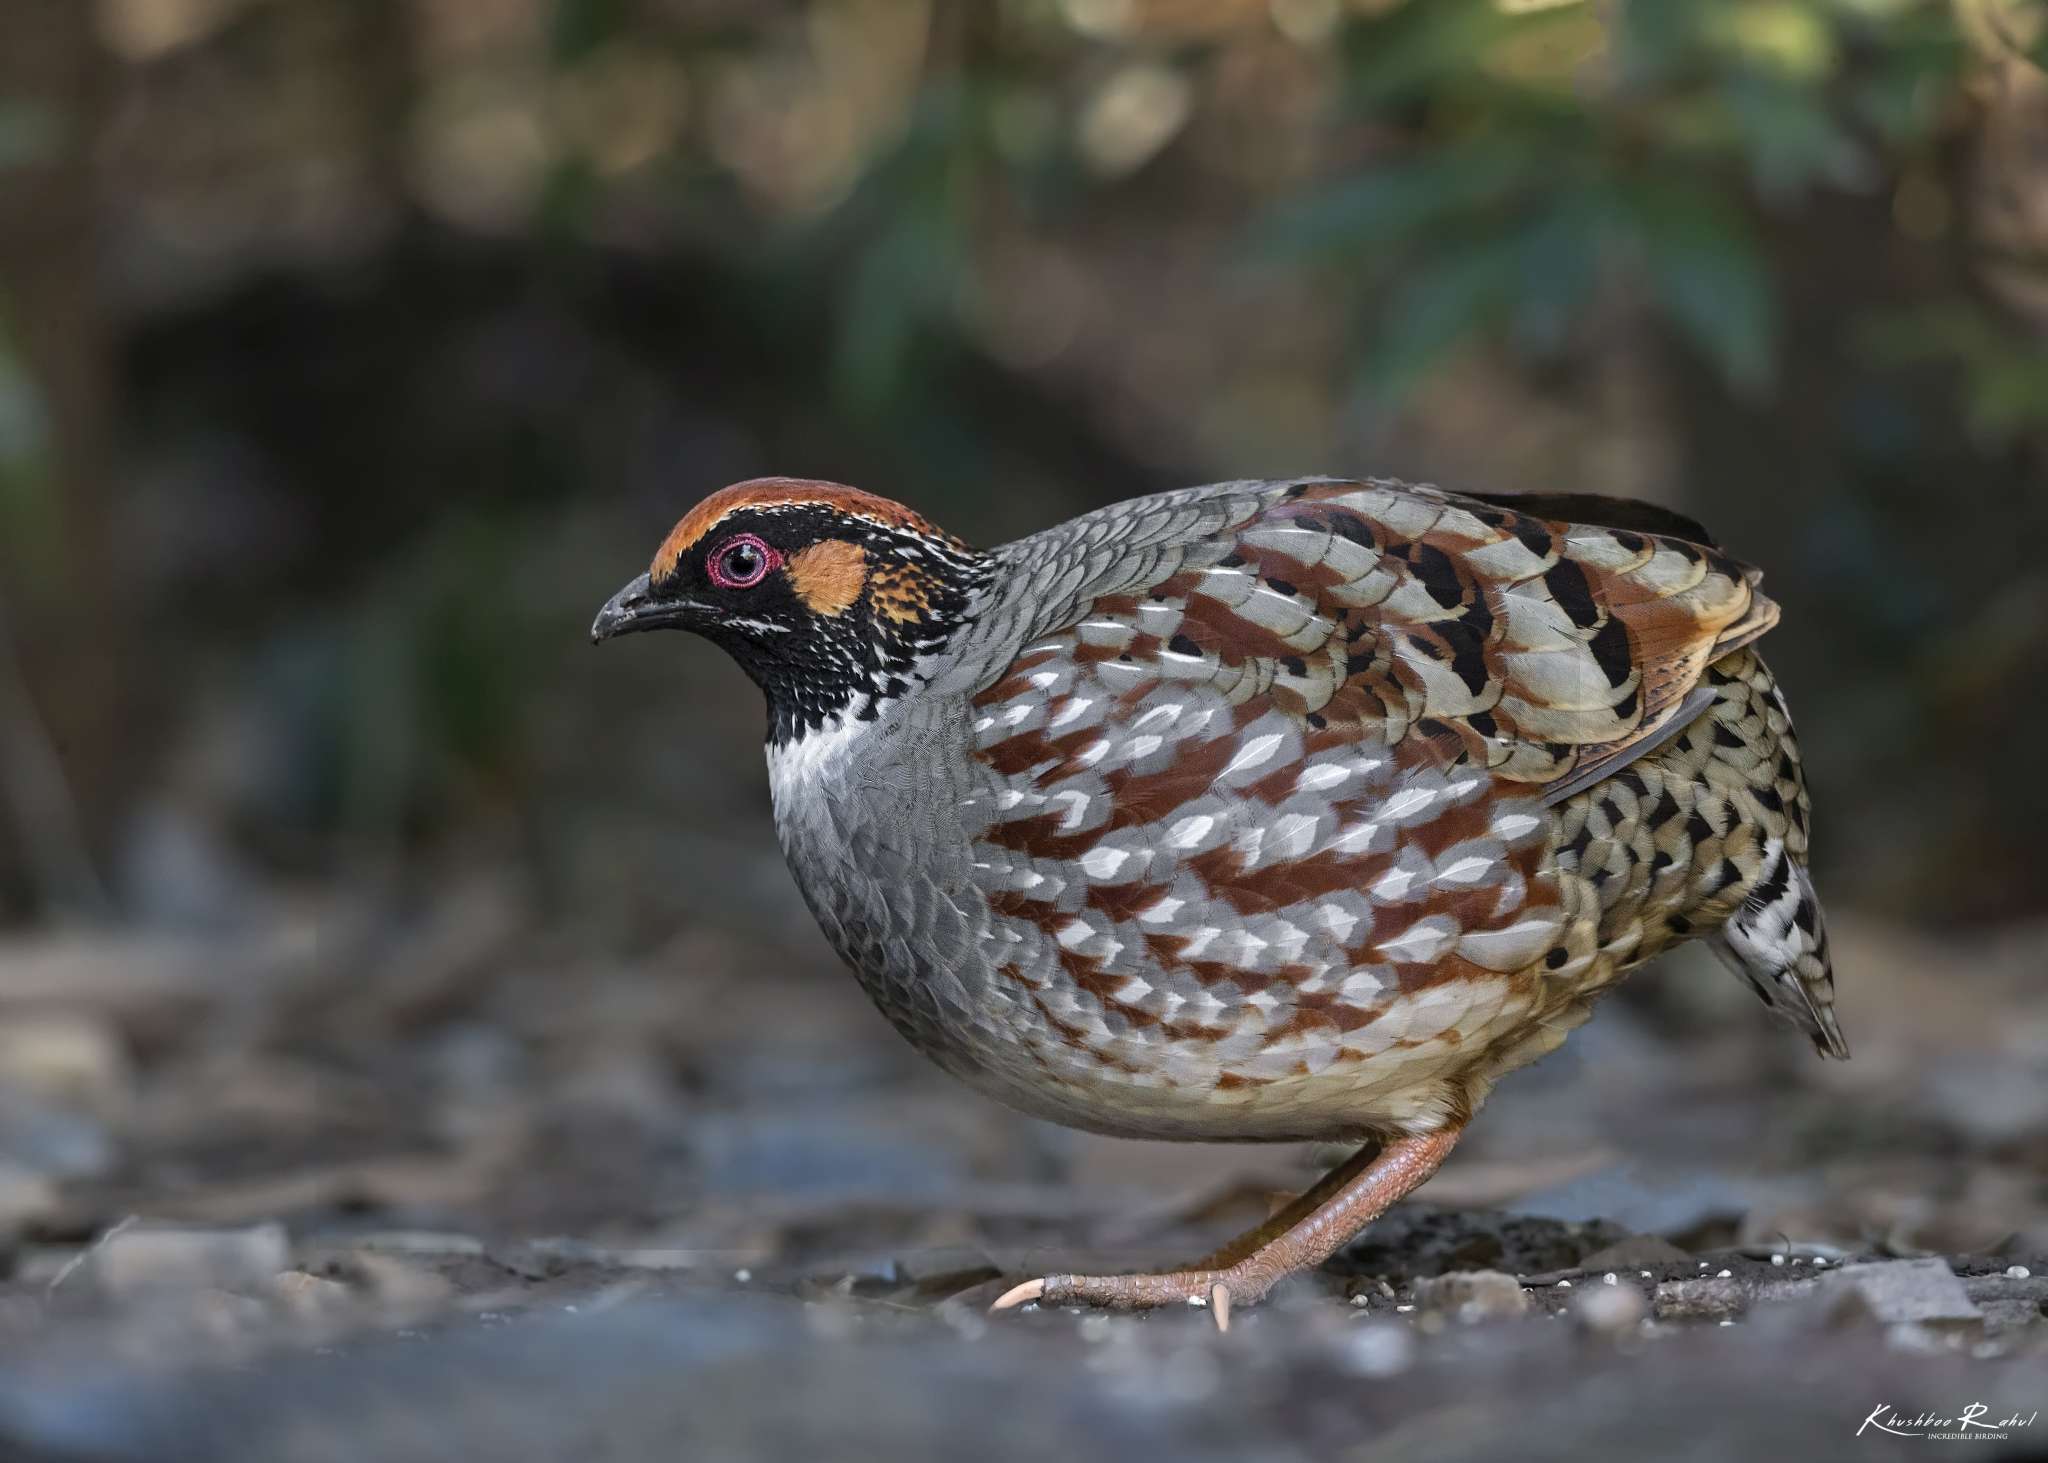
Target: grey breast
x=870, y=821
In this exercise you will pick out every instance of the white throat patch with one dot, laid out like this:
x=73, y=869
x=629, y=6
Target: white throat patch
x=797, y=768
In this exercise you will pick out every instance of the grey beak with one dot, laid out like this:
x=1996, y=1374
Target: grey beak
x=635, y=608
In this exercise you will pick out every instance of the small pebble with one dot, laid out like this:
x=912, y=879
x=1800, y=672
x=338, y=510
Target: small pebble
x=1564, y=1285
x=1404, y=1310
x=1608, y=1278
x=1380, y=1349
x=1611, y=1312
x=1725, y=1275
x=1727, y=1323
x=743, y=1276
x=1777, y=1259
x=1703, y=1264
x=1361, y=1300
x=1646, y=1274
x=2019, y=1272
x=1473, y=1295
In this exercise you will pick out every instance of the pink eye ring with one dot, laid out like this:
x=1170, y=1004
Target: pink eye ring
x=743, y=562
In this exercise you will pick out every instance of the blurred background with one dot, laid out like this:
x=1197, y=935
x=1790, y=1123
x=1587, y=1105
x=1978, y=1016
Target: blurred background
x=353, y=351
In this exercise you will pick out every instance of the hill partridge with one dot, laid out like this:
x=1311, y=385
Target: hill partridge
x=1261, y=811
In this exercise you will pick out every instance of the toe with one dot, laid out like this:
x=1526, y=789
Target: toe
x=1023, y=1294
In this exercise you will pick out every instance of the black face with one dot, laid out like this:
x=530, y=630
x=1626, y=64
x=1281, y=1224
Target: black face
x=828, y=611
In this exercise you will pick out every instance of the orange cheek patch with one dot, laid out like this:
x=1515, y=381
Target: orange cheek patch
x=829, y=576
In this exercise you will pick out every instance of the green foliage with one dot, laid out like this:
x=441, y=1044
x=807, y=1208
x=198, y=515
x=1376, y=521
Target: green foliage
x=29, y=134
x=1525, y=158
x=430, y=693
x=2005, y=375
x=581, y=26
x=910, y=222
x=1515, y=165
x=28, y=509
x=900, y=252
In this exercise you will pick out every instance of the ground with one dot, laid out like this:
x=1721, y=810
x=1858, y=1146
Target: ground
x=455, y=1179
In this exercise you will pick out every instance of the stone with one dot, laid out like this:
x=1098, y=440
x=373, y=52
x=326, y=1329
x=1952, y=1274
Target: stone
x=396, y=1284
x=25, y=1197
x=1378, y=1349
x=1474, y=1295
x=72, y=1060
x=1709, y=1298
x=1893, y=1292
x=311, y=1296
x=1611, y=1310
x=140, y=1260
x=432, y=1243
x=45, y=1138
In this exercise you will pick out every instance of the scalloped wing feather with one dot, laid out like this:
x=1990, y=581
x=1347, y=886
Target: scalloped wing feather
x=1546, y=649
x=1543, y=647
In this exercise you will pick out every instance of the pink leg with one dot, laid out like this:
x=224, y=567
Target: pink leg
x=1301, y=1237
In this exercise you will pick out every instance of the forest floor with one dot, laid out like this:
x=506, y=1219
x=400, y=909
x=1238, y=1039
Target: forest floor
x=455, y=1186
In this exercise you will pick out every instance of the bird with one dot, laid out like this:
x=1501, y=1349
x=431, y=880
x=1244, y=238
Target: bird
x=1289, y=810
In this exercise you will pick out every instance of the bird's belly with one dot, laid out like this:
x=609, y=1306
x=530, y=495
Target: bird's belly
x=1172, y=1006
x=1240, y=1077
x=1221, y=1067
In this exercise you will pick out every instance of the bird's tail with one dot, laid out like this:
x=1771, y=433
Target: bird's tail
x=1778, y=942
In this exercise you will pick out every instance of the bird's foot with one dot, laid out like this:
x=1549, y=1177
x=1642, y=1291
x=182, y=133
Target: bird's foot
x=1300, y=1237
x=1219, y=1290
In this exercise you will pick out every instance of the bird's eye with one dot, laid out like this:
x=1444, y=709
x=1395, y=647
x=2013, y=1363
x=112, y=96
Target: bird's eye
x=743, y=563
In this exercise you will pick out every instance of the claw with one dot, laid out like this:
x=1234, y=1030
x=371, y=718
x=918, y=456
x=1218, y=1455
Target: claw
x=1219, y=1305
x=1029, y=1291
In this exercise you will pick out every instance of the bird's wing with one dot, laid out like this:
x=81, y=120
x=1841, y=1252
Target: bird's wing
x=1264, y=773
x=1550, y=641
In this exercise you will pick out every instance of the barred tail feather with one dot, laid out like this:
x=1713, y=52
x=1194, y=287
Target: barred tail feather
x=1778, y=942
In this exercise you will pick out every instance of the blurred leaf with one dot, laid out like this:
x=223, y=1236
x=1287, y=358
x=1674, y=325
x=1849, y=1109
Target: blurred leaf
x=1666, y=140
x=1467, y=285
x=1710, y=275
x=888, y=298
x=1653, y=41
x=1393, y=203
x=1791, y=38
x=2002, y=369
x=1426, y=48
x=581, y=26
x=22, y=427
x=900, y=244
x=29, y=134
x=1792, y=139
x=1914, y=66
x=1560, y=263
x=28, y=507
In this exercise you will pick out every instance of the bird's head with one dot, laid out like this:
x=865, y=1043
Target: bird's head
x=827, y=596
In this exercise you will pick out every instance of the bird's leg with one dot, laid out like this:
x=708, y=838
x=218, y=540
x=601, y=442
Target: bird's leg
x=1300, y=1237
x=1289, y=1214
